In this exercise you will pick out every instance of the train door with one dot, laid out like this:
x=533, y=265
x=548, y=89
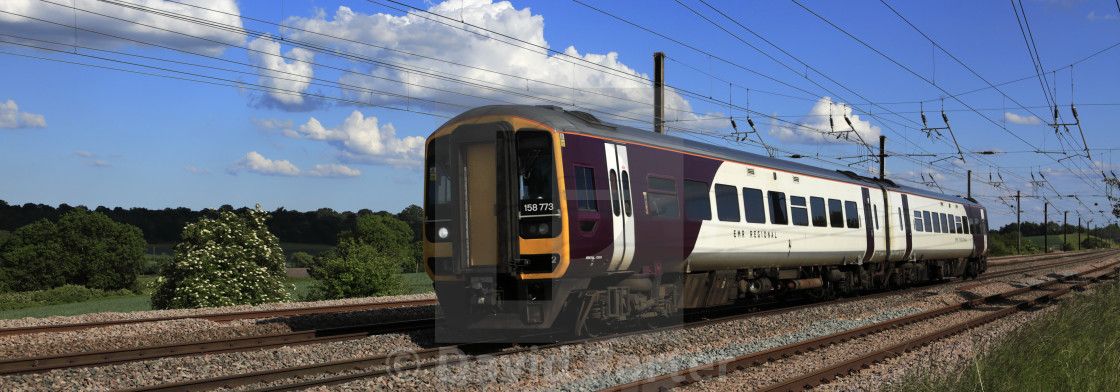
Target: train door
x=906, y=223
x=869, y=222
x=622, y=206
x=483, y=196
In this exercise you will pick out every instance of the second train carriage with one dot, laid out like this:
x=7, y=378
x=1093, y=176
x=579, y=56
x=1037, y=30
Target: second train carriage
x=540, y=218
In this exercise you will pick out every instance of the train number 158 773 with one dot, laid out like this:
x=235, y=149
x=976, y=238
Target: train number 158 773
x=537, y=207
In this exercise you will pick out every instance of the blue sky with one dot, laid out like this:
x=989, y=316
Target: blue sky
x=241, y=114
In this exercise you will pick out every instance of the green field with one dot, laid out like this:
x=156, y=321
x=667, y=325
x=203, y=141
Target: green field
x=1071, y=349
x=414, y=283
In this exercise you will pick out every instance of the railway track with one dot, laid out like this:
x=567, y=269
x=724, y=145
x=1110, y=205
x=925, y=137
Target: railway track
x=206, y=347
x=218, y=317
x=385, y=364
x=827, y=373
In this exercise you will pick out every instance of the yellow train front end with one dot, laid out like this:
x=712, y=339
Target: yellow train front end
x=495, y=242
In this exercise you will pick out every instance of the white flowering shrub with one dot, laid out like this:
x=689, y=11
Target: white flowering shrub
x=231, y=260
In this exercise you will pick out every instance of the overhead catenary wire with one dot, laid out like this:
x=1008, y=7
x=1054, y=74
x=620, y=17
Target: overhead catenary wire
x=684, y=129
x=997, y=124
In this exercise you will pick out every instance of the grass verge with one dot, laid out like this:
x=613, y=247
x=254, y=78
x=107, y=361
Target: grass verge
x=1074, y=348
x=414, y=283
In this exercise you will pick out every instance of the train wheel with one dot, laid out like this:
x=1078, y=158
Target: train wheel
x=845, y=286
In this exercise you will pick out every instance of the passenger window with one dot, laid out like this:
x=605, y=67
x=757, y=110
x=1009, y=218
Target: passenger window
x=929, y=224
x=662, y=184
x=585, y=188
x=902, y=222
x=627, y=201
x=875, y=209
x=945, y=224
x=797, y=211
x=853, y=214
x=661, y=200
x=613, y=182
x=918, y=226
x=778, y=208
x=835, y=213
x=964, y=224
x=820, y=216
x=936, y=223
x=697, y=204
x=753, y=205
x=727, y=203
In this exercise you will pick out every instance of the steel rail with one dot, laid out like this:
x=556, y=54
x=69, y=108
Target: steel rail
x=826, y=375
x=412, y=361
x=720, y=368
x=219, y=317
x=206, y=347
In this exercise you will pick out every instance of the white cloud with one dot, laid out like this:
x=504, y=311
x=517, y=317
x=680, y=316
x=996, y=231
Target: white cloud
x=91, y=159
x=167, y=31
x=569, y=79
x=1021, y=120
x=360, y=139
x=1093, y=16
x=195, y=170
x=333, y=170
x=11, y=117
x=257, y=163
x=817, y=128
x=282, y=75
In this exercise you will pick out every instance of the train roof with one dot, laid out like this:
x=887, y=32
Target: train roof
x=585, y=123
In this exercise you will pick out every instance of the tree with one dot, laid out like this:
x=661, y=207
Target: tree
x=229, y=260
x=30, y=258
x=387, y=235
x=103, y=254
x=413, y=216
x=354, y=269
x=300, y=260
x=1113, y=184
x=84, y=248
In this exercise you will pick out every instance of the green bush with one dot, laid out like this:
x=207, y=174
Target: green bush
x=154, y=264
x=58, y=295
x=300, y=260
x=389, y=236
x=355, y=270
x=231, y=260
x=1094, y=243
x=84, y=248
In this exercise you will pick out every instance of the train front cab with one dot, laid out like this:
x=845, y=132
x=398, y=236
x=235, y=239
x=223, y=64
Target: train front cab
x=494, y=233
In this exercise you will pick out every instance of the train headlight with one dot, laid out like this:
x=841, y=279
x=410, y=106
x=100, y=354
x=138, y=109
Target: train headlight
x=443, y=233
x=543, y=228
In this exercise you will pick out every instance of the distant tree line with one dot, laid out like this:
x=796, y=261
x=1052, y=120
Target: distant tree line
x=321, y=226
x=1031, y=229
x=1005, y=241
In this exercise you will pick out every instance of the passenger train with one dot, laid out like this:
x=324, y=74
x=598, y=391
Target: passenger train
x=538, y=218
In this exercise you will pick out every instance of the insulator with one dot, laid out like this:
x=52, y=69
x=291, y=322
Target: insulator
x=1055, y=113
x=924, y=124
x=751, y=123
x=944, y=117
x=733, y=126
x=849, y=121
x=1074, y=110
x=831, y=124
